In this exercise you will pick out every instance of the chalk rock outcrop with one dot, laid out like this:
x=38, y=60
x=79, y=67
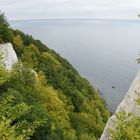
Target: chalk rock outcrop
x=8, y=54
x=128, y=105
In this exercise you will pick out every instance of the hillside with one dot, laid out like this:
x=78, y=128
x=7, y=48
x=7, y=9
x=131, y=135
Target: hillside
x=43, y=97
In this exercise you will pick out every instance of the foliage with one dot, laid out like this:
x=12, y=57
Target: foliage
x=4, y=74
x=11, y=126
x=3, y=19
x=6, y=34
x=56, y=102
x=18, y=43
x=127, y=127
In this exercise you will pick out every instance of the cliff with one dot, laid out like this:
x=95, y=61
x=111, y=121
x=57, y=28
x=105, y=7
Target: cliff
x=128, y=105
x=71, y=108
x=8, y=54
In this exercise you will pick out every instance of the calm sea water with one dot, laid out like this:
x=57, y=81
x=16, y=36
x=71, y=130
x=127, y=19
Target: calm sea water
x=103, y=51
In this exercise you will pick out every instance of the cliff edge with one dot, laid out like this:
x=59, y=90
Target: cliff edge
x=9, y=55
x=128, y=105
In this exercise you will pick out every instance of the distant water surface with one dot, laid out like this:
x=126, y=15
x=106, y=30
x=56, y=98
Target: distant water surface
x=103, y=51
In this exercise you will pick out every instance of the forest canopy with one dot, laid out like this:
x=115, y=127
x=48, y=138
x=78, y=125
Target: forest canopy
x=43, y=97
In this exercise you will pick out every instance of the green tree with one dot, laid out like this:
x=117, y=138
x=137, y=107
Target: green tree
x=11, y=125
x=127, y=127
x=4, y=74
x=30, y=56
x=6, y=34
x=18, y=44
x=3, y=19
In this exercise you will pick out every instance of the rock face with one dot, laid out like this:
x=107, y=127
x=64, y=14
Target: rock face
x=129, y=105
x=9, y=55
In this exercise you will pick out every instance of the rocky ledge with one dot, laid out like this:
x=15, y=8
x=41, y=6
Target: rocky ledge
x=128, y=105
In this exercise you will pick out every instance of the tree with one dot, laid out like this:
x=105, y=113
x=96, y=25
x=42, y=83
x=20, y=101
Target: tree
x=127, y=127
x=30, y=56
x=3, y=19
x=6, y=34
x=12, y=126
x=4, y=74
x=18, y=44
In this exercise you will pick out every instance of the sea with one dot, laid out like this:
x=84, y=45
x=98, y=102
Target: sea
x=104, y=51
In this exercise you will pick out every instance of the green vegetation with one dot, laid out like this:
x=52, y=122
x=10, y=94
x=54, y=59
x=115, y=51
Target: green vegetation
x=5, y=32
x=45, y=98
x=127, y=127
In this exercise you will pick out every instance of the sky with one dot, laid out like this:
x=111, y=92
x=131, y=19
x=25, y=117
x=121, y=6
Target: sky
x=46, y=9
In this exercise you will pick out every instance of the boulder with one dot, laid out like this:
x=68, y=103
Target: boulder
x=9, y=55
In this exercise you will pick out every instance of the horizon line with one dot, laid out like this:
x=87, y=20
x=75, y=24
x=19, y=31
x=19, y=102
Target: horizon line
x=78, y=18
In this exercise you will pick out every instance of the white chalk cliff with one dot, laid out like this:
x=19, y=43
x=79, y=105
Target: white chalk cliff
x=129, y=105
x=10, y=58
x=9, y=55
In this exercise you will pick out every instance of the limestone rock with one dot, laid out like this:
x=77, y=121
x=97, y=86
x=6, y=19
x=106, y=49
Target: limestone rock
x=128, y=105
x=9, y=55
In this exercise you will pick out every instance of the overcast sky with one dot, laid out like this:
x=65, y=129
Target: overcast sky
x=43, y=9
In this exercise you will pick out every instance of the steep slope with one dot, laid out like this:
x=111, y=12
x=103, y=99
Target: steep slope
x=128, y=105
x=59, y=105
x=88, y=112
